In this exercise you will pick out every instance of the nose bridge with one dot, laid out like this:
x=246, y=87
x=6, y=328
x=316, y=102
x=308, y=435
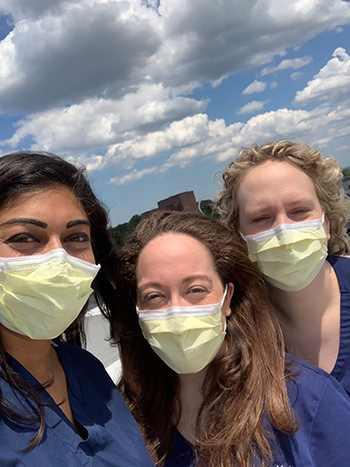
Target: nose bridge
x=281, y=218
x=175, y=299
x=53, y=243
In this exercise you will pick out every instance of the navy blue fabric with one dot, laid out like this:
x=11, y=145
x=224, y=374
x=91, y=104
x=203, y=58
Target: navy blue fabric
x=341, y=370
x=113, y=436
x=323, y=410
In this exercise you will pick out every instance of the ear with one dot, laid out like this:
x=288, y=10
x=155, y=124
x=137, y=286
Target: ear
x=226, y=308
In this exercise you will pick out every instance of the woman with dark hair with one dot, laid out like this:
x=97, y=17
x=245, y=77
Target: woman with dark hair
x=203, y=359
x=58, y=406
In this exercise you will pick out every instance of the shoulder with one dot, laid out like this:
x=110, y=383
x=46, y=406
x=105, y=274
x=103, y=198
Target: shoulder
x=322, y=408
x=83, y=363
x=307, y=386
x=71, y=351
x=341, y=266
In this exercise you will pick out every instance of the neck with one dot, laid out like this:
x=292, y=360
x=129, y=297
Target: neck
x=190, y=399
x=307, y=304
x=37, y=356
x=310, y=319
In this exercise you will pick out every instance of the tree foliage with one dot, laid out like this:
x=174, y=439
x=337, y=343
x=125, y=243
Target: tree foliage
x=207, y=207
x=121, y=232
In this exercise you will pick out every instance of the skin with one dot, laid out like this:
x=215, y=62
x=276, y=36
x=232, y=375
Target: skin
x=274, y=193
x=177, y=270
x=32, y=224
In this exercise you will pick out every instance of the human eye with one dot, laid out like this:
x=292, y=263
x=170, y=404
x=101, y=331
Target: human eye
x=258, y=219
x=301, y=213
x=78, y=238
x=151, y=296
x=22, y=238
x=197, y=290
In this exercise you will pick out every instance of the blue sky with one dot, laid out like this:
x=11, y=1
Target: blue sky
x=156, y=97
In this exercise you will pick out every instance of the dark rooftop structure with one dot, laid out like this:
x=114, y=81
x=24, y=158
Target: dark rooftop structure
x=185, y=201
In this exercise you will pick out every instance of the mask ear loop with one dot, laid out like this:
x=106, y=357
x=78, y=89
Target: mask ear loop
x=224, y=296
x=222, y=302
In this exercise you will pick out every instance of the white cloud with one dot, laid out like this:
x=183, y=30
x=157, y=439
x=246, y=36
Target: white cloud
x=296, y=75
x=189, y=131
x=61, y=53
x=255, y=86
x=101, y=122
x=287, y=63
x=82, y=52
x=332, y=82
x=222, y=143
x=133, y=176
x=251, y=107
x=273, y=84
x=111, y=80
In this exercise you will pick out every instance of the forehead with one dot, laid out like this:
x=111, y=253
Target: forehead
x=274, y=179
x=54, y=201
x=176, y=253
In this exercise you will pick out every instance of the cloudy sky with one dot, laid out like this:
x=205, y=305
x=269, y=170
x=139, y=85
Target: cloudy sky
x=156, y=97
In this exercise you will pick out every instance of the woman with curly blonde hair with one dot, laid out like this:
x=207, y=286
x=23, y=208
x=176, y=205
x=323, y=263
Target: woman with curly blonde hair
x=288, y=204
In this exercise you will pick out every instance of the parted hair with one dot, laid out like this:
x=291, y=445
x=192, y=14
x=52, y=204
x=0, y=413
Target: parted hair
x=25, y=172
x=325, y=173
x=244, y=390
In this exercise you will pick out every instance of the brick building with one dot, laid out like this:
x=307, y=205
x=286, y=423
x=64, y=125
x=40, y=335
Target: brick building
x=185, y=201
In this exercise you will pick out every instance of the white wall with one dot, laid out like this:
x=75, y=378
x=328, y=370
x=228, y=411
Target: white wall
x=97, y=332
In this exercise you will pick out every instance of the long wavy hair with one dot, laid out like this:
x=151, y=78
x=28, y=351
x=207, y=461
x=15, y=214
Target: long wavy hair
x=325, y=172
x=244, y=390
x=23, y=172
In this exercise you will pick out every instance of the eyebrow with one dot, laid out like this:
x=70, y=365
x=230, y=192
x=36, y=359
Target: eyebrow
x=24, y=221
x=185, y=281
x=198, y=276
x=42, y=225
x=78, y=222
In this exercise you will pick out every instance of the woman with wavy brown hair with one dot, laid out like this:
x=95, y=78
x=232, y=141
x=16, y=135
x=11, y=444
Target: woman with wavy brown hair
x=203, y=359
x=288, y=203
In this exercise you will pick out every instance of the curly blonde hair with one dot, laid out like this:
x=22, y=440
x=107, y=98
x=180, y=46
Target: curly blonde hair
x=325, y=172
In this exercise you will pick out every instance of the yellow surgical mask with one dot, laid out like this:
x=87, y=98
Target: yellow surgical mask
x=41, y=295
x=186, y=338
x=291, y=255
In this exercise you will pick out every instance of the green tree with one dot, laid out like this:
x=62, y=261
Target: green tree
x=121, y=232
x=207, y=207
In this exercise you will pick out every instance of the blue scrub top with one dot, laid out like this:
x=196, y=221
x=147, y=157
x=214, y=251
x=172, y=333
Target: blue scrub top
x=113, y=436
x=323, y=410
x=341, y=370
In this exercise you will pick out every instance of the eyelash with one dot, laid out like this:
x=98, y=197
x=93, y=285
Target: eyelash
x=20, y=238
x=259, y=219
x=151, y=296
x=198, y=289
x=155, y=295
x=295, y=212
x=28, y=238
x=81, y=236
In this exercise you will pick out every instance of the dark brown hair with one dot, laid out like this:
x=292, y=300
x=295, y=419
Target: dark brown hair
x=24, y=172
x=244, y=391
